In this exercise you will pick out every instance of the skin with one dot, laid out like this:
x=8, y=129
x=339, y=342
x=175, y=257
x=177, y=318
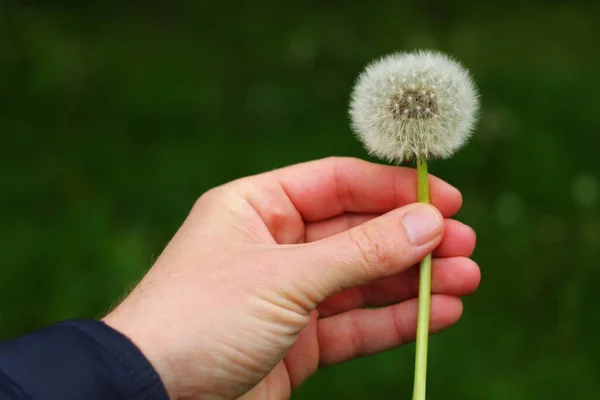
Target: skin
x=268, y=278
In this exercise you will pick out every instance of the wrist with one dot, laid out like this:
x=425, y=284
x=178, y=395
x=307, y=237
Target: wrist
x=151, y=349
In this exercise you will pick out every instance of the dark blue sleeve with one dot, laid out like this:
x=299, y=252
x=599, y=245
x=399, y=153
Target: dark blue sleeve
x=76, y=360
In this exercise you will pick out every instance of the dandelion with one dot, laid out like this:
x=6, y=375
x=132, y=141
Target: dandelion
x=410, y=105
x=415, y=106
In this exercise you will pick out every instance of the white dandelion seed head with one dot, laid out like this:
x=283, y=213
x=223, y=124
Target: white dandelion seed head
x=407, y=105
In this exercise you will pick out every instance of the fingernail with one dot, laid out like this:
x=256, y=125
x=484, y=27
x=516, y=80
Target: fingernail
x=422, y=224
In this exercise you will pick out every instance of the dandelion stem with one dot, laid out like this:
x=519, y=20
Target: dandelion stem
x=420, y=383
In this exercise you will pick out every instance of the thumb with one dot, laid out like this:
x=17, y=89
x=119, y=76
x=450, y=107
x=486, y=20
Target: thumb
x=374, y=250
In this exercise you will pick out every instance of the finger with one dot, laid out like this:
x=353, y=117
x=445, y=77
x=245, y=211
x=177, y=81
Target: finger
x=377, y=249
x=328, y=187
x=459, y=239
x=456, y=276
x=302, y=359
x=362, y=332
x=325, y=228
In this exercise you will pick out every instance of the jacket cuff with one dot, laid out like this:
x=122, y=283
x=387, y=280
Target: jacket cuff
x=79, y=359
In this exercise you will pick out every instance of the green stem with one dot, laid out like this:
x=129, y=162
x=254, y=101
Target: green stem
x=424, y=295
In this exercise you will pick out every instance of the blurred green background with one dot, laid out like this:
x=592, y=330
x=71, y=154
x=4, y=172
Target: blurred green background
x=116, y=116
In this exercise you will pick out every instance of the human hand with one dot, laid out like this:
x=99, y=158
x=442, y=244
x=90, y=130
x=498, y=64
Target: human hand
x=268, y=277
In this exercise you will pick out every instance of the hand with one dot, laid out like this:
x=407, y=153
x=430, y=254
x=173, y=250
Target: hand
x=269, y=276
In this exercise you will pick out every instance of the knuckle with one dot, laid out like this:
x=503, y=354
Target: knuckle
x=372, y=247
x=334, y=159
x=341, y=161
x=214, y=197
x=356, y=336
x=207, y=197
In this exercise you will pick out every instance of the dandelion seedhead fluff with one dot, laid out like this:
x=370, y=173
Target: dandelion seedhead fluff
x=410, y=105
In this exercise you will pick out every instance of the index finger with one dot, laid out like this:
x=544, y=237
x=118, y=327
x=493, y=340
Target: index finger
x=328, y=187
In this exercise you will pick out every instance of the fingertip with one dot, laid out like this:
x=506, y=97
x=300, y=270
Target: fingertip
x=469, y=237
x=474, y=236
x=445, y=311
x=456, y=276
x=472, y=275
x=459, y=240
x=446, y=197
x=468, y=273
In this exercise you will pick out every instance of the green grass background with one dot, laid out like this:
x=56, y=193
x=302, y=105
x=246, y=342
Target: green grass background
x=115, y=116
